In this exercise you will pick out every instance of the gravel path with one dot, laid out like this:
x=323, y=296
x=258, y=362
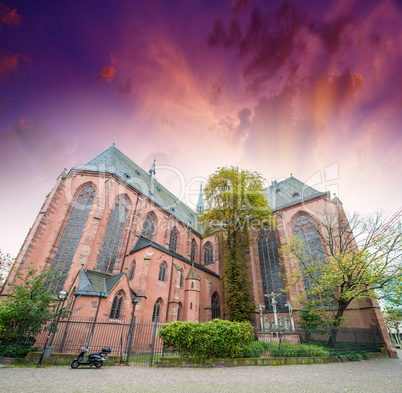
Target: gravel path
x=379, y=375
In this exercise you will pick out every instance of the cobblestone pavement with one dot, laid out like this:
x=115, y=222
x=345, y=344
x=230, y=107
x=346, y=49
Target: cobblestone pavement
x=379, y=375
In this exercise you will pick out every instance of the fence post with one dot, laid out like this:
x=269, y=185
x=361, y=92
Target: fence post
x=130, y=335
x=153, y=341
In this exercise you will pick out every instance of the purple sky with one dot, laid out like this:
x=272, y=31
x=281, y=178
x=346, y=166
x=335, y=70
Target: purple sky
x=312, y=88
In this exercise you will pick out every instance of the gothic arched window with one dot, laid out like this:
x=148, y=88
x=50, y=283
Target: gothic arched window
x=173, y=240
x=156, y=311
x=270, y=266
x=193, y=250
x=305, y=229
x=216, y=308
x=149, y=226
x=208, y=254
x=162, y=271
x=132, y=270
x=72, y=235
x=113, y=236
x=116, y=307
x=181, y=278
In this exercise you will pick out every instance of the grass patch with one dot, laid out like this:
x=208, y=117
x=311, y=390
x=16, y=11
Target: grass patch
x=258, y=349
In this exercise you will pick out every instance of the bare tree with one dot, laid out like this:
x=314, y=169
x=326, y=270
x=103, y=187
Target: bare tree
x=6, y=263
x=359, y=257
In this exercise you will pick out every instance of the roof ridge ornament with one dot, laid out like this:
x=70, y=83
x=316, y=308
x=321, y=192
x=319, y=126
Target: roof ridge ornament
x=152, y=171
x=200, y=204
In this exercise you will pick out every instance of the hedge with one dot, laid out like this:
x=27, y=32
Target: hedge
x=202, y=342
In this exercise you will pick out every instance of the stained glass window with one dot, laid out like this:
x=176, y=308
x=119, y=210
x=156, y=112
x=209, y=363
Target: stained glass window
x=304, y=228
x=116, y=307
x=216, y=309
x=157, y=310
x=149, y=226
x=72, y=235
x=162, y=271
x=173, y=240
x=270, y=266
x=193, y=250
x=208, y=254
x=113, y=236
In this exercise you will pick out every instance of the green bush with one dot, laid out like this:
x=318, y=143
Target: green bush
x=12, y=350
x=202, y=342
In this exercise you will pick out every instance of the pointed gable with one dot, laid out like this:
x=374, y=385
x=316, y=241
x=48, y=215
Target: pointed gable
x=289, y=192
x=96, y=283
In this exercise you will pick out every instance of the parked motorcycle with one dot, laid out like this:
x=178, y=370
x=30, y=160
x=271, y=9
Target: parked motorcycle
x=96, y=358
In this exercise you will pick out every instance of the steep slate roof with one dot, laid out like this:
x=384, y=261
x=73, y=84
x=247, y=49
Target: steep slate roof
x=289, y=192
x=113, y=161
x=143, y=242
x=279, y=194
x=96, y=283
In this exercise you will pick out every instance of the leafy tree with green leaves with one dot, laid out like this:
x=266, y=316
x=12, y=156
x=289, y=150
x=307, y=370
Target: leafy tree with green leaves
x=362, y=256
x=313, y=320
x=28, y=307
x=234, y=202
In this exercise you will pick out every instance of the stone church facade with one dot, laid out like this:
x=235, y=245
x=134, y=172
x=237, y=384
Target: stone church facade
x=124, y=245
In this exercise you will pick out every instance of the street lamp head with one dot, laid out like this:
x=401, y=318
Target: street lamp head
x=62, y=295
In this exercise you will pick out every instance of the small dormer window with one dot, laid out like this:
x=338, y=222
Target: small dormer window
x=158, y=188
x=173, y=209
x=295, y=194
x=151, y=193
x=137, y=172
x=127, y=175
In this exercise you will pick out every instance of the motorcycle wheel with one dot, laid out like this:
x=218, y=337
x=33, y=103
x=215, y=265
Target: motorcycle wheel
x=98, y=364
x=74, y=364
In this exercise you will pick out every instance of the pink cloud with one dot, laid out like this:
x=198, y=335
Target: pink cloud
x=8, y=16
x=8, y=65
x=107, y=73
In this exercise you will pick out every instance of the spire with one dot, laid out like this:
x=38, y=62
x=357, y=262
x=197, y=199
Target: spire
x=200, y=204
x=152, y=171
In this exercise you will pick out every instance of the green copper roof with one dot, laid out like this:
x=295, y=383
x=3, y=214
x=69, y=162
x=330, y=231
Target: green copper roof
x=192, y=274
x=289, y=192
x=113, y=161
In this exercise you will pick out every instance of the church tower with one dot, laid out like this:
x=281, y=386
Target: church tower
x=192, y=290
x=200, y=204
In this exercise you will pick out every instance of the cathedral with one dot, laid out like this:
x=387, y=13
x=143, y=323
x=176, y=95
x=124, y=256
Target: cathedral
x=123, y=245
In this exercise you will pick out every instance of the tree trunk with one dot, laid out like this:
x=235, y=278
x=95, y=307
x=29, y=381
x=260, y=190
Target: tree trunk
x=337, y=323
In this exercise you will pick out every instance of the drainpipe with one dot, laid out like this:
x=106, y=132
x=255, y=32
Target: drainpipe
x=93, y=325
x=170, y=289
x=130, y=334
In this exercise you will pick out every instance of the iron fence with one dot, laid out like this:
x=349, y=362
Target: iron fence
x=138, y=343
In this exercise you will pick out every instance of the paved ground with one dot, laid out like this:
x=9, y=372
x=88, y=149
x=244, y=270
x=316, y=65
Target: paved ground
x=380, y=375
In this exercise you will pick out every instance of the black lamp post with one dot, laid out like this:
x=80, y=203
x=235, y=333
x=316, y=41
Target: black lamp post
x=62, y=295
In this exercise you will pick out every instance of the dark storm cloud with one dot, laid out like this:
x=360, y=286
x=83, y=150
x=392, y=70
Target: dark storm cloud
x=333, y=33
x=29, y=147
x=240, y=6
x=219, y=36
x=274, y=40
x=125, y=90
x=244, y=117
